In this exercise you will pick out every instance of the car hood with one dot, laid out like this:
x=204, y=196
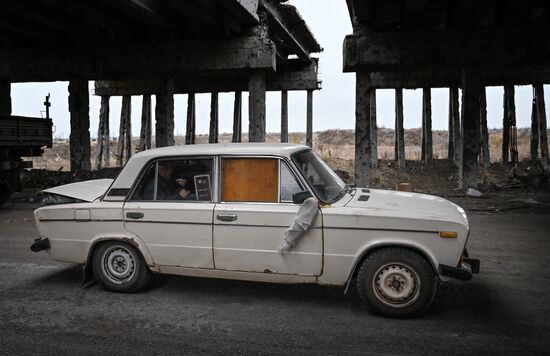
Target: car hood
x=407, y=205
x=87, y=191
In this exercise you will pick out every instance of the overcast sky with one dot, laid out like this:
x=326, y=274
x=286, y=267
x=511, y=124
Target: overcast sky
x=334, y=105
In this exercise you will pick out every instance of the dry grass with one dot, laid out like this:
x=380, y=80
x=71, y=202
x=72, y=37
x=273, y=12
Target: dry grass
x=335, y=146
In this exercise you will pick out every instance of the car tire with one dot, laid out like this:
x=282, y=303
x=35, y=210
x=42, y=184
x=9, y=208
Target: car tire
x=396, y=282
x=120, y=267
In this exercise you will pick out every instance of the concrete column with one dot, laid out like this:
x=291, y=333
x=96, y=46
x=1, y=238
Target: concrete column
x=164, y=114
x=191, y=120
x=5, y=98
x=103, y=150
x=509, y=117
x=284, y=116
x=79, y=106
x=534, y=127
x=373, y=129
x=237, y=117
x=399, y=130
x=362, y=129
x=256, y=107
x=145, y=134
x=214, y=119
x=427, y=146
x=543, y=135
x=454, y=126
x=485, y=155
x=124, y=147
x=309, y=119
x=470, y=129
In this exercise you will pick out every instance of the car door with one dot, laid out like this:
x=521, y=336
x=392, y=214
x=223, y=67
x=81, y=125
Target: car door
x=175, y=226
x=255, y=210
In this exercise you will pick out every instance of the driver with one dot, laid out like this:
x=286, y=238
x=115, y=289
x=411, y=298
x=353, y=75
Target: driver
x=168, y=188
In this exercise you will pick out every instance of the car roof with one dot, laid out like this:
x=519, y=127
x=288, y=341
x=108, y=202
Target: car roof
x=278, y=149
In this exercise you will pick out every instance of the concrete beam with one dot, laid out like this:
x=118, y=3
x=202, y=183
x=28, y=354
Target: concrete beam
x=376, y=51
x=451, y=77
x=127, y=61
x=291, y=79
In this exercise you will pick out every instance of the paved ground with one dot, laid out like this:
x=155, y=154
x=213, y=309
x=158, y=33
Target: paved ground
x=503, y=310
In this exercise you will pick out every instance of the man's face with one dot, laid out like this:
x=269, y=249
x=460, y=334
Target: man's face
x=165, y=170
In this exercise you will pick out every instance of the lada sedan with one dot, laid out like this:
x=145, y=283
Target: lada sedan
x=223, y=211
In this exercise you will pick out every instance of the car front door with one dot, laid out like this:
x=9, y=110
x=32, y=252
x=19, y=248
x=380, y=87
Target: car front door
x=171, y=211
x=254, y=212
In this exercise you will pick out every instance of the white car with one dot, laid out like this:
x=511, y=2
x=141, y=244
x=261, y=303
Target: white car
x=223, y=211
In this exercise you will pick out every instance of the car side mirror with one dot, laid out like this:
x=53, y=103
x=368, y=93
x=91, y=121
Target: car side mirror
x=298, y=198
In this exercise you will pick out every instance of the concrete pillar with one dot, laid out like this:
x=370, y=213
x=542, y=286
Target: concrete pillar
x=5, y=98
x=470, y=129
x=79, y=106
x=124, y=147
x=362, y=129
x=454, y=126
x=509, y=117
x=284, y=116
x=164, y=114
x=145, y=133
x=427, y=146
x=485, y=155
x=214, y=119
x=309, y=119
x=543, y=131
x=103, y=149
x=373, y=129
x=399, y=130
x=237, y=117
x=191, y=120
x=534, y=127
x=256, y=107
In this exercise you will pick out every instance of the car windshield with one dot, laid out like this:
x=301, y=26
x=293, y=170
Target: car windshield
x=324, y=181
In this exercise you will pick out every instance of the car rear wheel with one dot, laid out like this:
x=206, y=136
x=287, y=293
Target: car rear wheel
x=120, y=267
x=396, y=282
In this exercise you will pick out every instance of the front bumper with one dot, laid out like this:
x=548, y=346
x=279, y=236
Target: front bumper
x=40, y=245
x=464, y=272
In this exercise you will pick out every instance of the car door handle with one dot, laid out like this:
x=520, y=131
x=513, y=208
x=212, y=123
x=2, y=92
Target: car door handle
x=134, y=215
x=226, y=217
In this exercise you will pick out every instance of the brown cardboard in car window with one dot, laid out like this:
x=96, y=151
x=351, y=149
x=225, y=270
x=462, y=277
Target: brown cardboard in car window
x=250, y=179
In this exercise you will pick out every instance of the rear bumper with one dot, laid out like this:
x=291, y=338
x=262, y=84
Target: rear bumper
x=464, y=272
x=40, y=245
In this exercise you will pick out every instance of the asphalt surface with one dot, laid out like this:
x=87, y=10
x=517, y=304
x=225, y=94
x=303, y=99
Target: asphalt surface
x=503, y=310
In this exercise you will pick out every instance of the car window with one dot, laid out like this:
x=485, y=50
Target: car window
x=176, y=180
x=250, y=180
x=289, y=184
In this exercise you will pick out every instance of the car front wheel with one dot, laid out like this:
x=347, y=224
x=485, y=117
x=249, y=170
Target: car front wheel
x=120, y=267
x=396, y=282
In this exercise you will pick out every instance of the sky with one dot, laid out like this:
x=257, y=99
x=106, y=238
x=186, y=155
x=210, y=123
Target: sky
x=333, y=106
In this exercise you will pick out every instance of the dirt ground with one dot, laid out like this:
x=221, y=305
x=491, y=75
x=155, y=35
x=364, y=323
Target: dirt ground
x=503, y=310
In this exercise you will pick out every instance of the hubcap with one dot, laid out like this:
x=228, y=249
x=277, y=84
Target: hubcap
x=118, y=264
x=396, y=285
